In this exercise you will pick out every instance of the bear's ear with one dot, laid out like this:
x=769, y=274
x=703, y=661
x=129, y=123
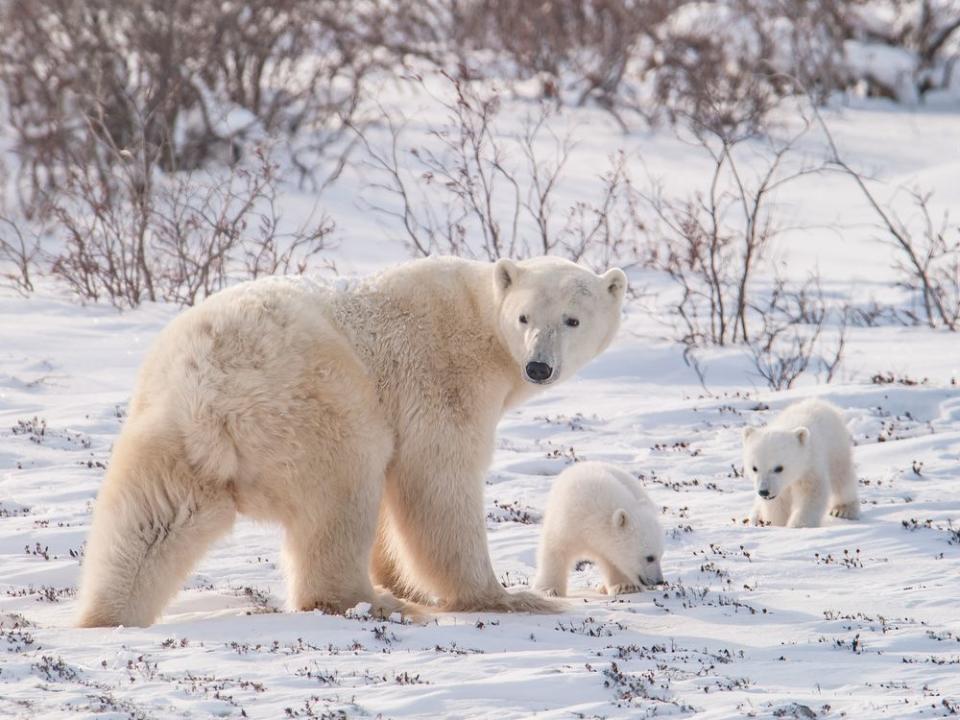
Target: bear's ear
x=748, y=432
x=615, y=281
x=505, y=273
x=802, y=434
x=620, y=518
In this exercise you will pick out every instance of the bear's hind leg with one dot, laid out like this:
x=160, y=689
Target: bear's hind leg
x=332, y=522
x=152, y=522
x=386, y=566
x=324, y=565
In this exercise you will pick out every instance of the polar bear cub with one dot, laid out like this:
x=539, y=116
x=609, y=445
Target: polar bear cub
x=801, y=465
x=597, y=511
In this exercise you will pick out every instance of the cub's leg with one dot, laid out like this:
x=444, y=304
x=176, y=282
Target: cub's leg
x=154, y=518
x=553, y=569
x=615, y=582
x=808, y=507
x=845, y=502
x=771, y=512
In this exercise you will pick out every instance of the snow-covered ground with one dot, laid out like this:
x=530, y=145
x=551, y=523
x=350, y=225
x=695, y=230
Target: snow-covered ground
x=855, y=619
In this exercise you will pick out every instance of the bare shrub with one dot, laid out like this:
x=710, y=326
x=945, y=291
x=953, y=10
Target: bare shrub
x=695, y=84
x=922, y=43
x=682, y=58
x=19, y=256
x=174, y=238
x=673, y=58
x=736, y=57
x=590, y=43
x=479, y=193
x=874, y=314
x=728, y=56
x=789, y=337
x=928, y=257
x=929, y=260
x=606, y=232
x=709, y=255
x=188, y=81
x=713, y=244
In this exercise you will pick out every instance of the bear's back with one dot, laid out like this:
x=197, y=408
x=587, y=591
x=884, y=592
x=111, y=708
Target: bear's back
x=589, y=492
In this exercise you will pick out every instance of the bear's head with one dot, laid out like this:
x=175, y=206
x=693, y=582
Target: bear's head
x=554, y=315
x=774, y=459
x=634, y=543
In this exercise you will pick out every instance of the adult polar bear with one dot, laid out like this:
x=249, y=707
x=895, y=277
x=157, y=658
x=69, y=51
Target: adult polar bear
x=304, y=405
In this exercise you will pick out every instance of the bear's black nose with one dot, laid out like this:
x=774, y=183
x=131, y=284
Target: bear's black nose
x=763, y=493
x=538, y=371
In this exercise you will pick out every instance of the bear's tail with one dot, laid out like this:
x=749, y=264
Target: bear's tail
x=151, y=523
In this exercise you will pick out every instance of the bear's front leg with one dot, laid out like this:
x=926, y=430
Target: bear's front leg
x=435, y=495
x=553, y=567
x=808, y=510
x=615, y=582
x=772, y=512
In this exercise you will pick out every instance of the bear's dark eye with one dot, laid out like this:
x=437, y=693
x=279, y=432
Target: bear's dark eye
x=572, y=322
x=778, y=469
x=523, y=319
x=754, y=468
x=650, y=558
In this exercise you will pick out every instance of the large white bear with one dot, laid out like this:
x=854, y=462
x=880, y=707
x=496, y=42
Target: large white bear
x=801, y=465
x=305, y=405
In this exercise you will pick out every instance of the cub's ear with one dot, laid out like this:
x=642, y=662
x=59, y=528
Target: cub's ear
x=748, y=432
x=620, y=518
x=505, y=272
x=615, y=281
x=802, y=434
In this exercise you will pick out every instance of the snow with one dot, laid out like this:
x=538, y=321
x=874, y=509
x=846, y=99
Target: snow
x=853, y=619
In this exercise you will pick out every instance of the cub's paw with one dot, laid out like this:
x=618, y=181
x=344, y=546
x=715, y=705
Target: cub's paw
x=548, y=591
x=846, y=511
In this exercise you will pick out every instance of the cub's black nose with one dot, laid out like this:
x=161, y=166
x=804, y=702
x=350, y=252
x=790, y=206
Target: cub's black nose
x=538, y=371
x=763, y=493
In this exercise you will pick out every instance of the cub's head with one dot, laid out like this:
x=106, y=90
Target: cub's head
x=635, y=543
x=774, y=459
x=554, y=315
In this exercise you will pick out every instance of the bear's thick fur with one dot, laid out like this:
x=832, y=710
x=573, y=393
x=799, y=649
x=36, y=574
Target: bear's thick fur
x=361, y=419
